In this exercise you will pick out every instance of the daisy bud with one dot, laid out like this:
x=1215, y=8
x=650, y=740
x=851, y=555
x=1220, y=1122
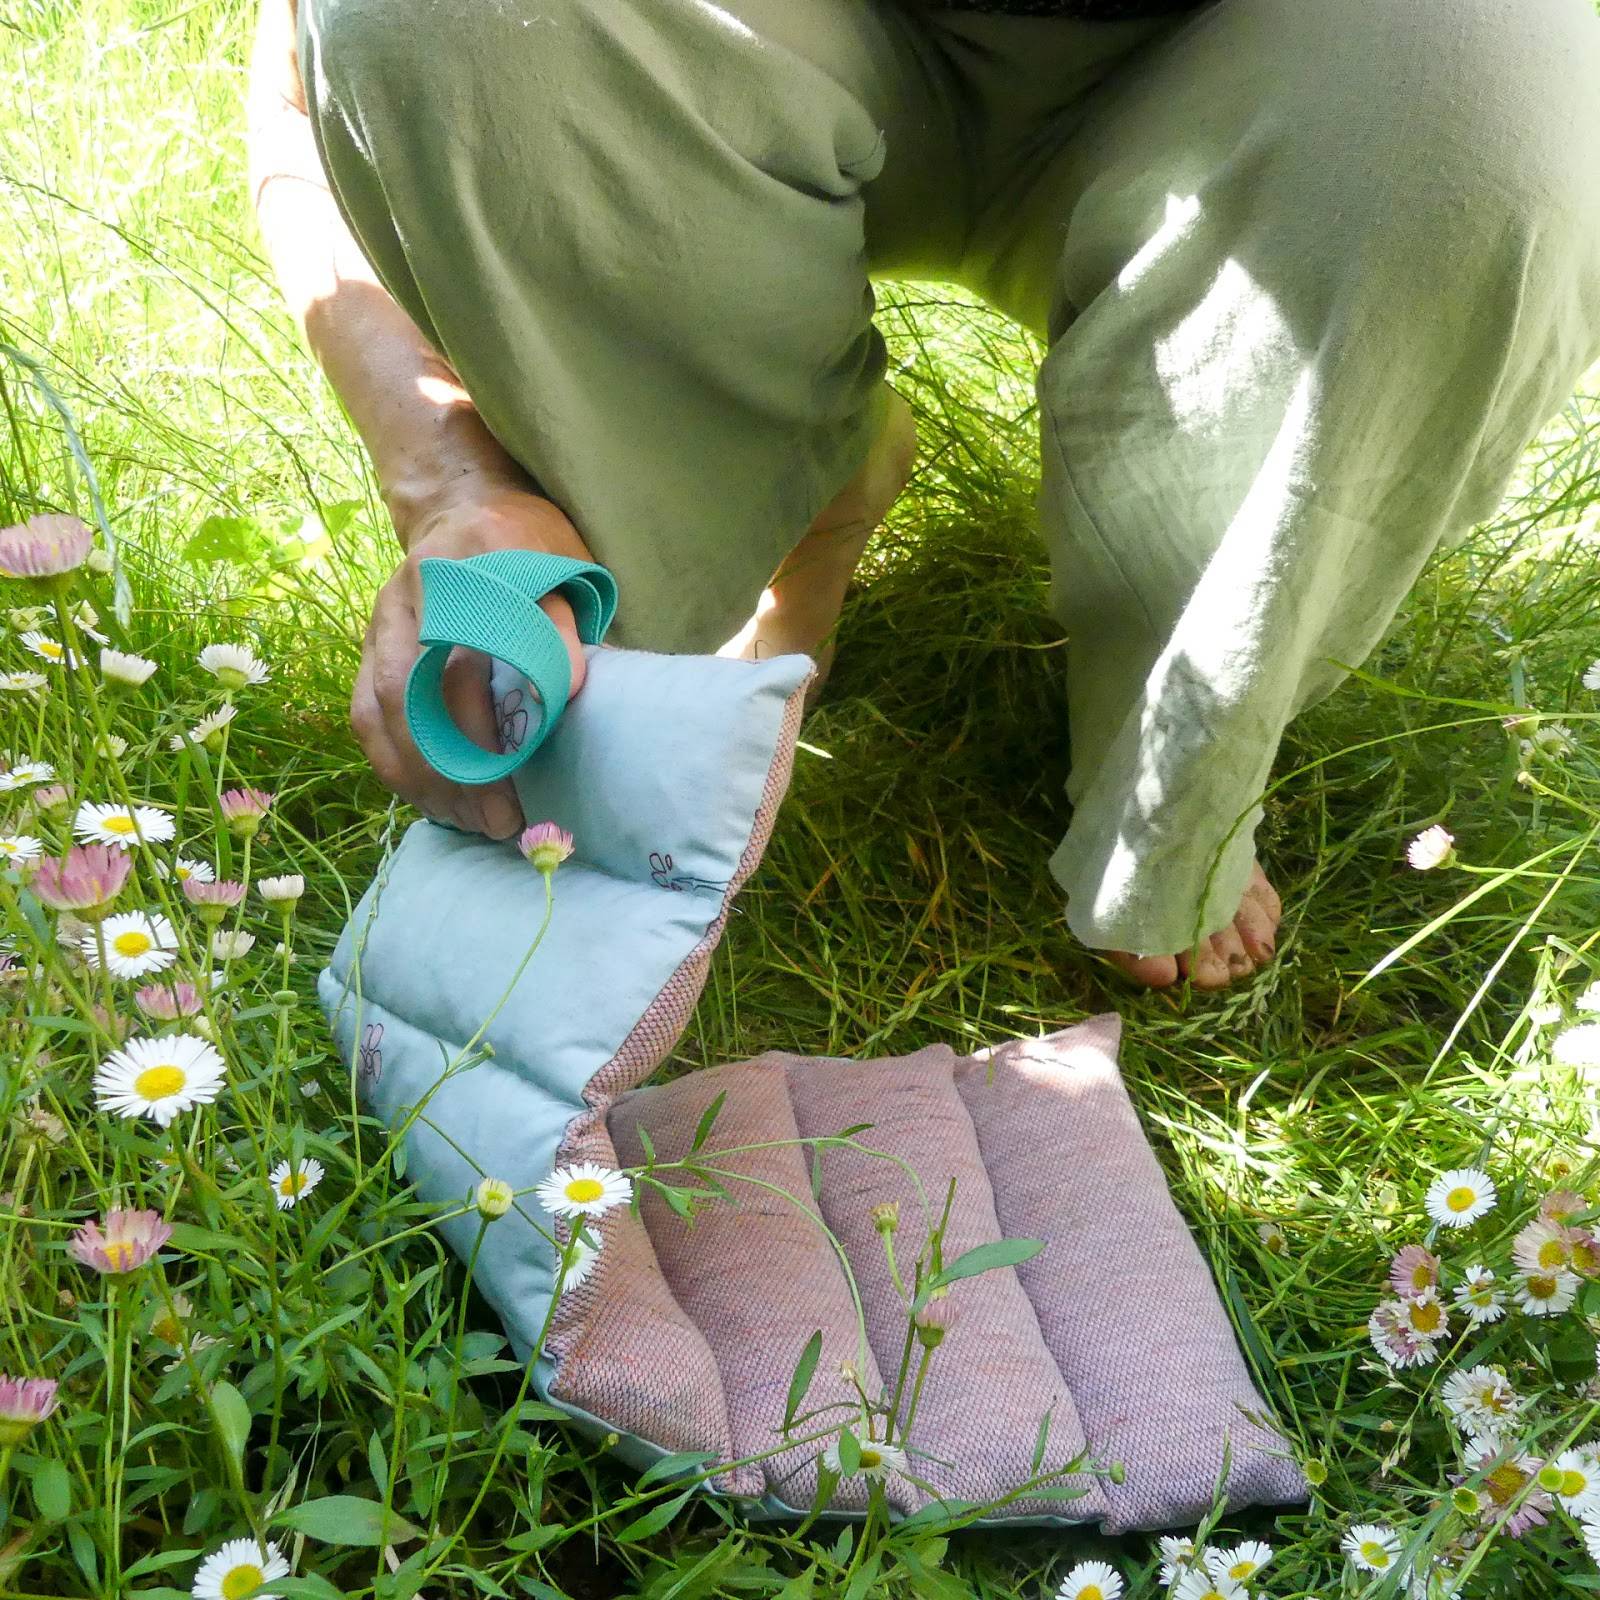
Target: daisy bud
x=24, y=619
x=123, y=1244
x=111, y=747
x=229, y=946
x=545, y=845
x=213, y=901
x=24, y=1404
x=886, y=1217
x=86, y=882
x=44, y=547
x=493, y=1198
x=100, y=561
x=45, y=1127
x=933, y=1320
x=1433, y=847
x=1464, y=1502
x=282, y=891
x=123, y=671
x=49, y=798
x=244, y=809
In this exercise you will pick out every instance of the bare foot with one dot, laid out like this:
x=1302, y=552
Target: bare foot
x=1226, y=957
x=799, y=608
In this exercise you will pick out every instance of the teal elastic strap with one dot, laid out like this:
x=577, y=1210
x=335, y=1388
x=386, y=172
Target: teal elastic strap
x=491, y=603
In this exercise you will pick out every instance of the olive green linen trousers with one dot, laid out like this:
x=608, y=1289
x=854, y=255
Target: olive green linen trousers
x=1309, y=275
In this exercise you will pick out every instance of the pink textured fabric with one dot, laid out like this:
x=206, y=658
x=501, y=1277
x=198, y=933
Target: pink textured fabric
x=992, y=1380
x=756, y=1272
x=1125, y=1299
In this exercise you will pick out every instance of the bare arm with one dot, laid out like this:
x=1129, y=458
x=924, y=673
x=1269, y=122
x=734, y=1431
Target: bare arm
x=450, y=487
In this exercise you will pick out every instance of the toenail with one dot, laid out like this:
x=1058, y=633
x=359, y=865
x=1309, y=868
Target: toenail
x=1238, y=963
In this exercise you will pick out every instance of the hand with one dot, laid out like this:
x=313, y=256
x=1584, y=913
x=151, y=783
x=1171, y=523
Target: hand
x=477, y=516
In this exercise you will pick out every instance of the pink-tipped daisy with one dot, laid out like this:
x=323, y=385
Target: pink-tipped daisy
x=1433, y=847
x=1546, y=1246
x=44, y=547
x=86, y=881
x=125, y=1241
x=122, y=826
x=24, y=1404
x=1423, y=1316
x=213, y=898
x=1508, y=1487
x=244, y=809
x=168, y=1002
x=1413, y=1270
x=1395, y=1342
x=545, y=845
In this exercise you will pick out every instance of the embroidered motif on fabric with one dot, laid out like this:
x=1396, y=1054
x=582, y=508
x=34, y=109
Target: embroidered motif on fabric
x=369, y=1059
x=664, y=877
x=511, y=720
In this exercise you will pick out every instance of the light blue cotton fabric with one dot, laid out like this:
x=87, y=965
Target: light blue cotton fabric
x=658, y=769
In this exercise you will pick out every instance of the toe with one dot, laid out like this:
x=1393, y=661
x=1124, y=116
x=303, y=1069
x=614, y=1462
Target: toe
x=1221, y=960
x=1256, y=930
x=1260, y=890
x=1151, y=972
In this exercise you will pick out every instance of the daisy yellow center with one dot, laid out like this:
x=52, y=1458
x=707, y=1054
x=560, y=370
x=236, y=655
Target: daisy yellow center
x=1421, y=1278
x=1542, y=1287
x=1460, y=1199
x=871, y=1458
x=119, y=1253
x=1374, y=1553
x=1425, y=1319
x=48, y=647
x=1242, y=1570
x=124, y=825
x=1504, y=1482
x=133, y=943
x=1482, y=1295
x=1091, y=1591
x=182, y=874
x=292, y=1183
x=1573, y=1483
x=156, y=1083
x=9, y=849
x=582, y=1190
x=1552, y=1254
x=1493, y=1400
x=241, y=1580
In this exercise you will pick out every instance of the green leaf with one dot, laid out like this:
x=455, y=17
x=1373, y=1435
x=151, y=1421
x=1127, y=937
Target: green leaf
x=674, y=1466
x=803, y=1374
x=346, y=1519
x=703, y=1131
x=655, y=1519
x=986, y=1258
x=1040, y=1444
x=232, y=1412
x=849, y=1454
x=306, y=1586
x=238, y=540
x=197, y=1241
x=802, y=1587
x=52, y=1492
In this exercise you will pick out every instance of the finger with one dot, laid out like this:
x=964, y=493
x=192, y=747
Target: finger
x=468, y=696
x=393, y=650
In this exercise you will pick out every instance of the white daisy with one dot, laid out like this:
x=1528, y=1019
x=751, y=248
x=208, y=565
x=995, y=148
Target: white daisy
x=229, y=945
x=877, y=1460
x=22, y=682
x=1273, y=1239
x=112, y=746
x=1201, y=1585
x=18, y=849
x=158, y=1078
x=1591, y=675
x=118, y=666
x=1241, y=1563
x=283, y=890
x=239, y=1567
x=1459, y=1197
x=122, y=826
x=235, y=665
x=1589, y=1000
x=1579, y=1046
x=48, y=649
x=1372, y=1546
x=184, y=868
x=1479, y=1297
x=1091, y=1580
x=1546, y=1294
x=583, y=1190
x=580, y=1255
x=1481, y=1401
x=1176, y=1556
x=24, y=774
x=136, y=943
x=291, y=1184
x=1591, y=1537
x=1433, y=847
x=206, y=728
x=1574, y=1479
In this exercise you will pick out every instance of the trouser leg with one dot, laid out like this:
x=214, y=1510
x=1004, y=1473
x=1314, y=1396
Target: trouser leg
x=638, y=231
x=1311, y=277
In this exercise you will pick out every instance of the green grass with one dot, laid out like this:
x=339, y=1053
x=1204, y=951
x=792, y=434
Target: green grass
x=1402, y=1029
